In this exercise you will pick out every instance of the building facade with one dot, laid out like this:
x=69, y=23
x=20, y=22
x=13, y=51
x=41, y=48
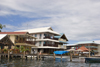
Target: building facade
x=17, y=39
x=47, y=40
x=88, y=44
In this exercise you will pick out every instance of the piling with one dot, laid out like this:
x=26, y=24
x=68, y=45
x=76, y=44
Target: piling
x=61, y=57
x=8, y=54
x=70, y=56
x=38, y=55
x=54, y=56
x=24, y=55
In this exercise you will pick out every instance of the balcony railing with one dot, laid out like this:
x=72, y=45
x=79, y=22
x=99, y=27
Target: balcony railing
x=48, y=37
x=28, y=42
x=52, y=45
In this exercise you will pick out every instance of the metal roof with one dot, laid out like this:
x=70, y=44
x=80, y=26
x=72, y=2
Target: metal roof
x=71, y=44
x=85, y=42
x=13, y=32
x=59, y=36
x=40, y=30
x=63, y=42
x=2, y=36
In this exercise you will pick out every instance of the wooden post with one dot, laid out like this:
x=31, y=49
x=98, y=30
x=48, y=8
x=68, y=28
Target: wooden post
x=70, y=56
x=11, y=56
x=54, y=56
x=61, y=57
x=38, y=55
x=89, y=50
x=21, y=56
x=24, y=55
x=8, y=53
x=0, y=56
x=33, y=57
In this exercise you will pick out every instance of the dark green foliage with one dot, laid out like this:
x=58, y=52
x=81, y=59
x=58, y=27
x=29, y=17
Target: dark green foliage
x=2, y=26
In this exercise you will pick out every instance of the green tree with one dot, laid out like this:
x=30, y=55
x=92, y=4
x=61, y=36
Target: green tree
x=2, y=26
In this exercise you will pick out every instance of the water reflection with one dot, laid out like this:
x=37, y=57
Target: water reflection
x=47, y=62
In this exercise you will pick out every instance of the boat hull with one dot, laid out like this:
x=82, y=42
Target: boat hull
x=92, y=60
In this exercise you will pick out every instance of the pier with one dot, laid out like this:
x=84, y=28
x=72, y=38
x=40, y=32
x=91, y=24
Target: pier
x=23, y=56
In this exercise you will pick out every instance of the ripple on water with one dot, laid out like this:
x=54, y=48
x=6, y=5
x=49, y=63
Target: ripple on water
x=47, y=62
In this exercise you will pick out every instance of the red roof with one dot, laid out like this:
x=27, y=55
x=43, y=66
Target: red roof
x=13, y=32
x=83, y=48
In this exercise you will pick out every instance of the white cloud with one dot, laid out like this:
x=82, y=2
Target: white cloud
x=78, y=19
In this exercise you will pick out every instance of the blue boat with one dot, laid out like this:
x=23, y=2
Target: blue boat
x=92, y=60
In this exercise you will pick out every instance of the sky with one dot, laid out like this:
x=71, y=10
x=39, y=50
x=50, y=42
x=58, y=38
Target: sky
x=78, y=19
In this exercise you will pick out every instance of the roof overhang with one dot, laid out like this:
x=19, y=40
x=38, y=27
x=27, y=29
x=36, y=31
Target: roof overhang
x=48, y=47
x=47, y=40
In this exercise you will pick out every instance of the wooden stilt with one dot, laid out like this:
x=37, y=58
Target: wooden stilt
x=0, y=56
x=33, y=57
x=21, y=56
x=8, y=54
x=24, y=55
x=70, y=56
x=89, y=50
x=61, y=57
x=11, y=56
x=54, y=56
x=38, y=55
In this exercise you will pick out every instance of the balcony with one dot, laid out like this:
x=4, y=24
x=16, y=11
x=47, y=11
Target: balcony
x=48, y=37
x=52, y=45
x=28, y=42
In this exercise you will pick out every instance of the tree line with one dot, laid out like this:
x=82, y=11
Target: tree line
x=1, y=26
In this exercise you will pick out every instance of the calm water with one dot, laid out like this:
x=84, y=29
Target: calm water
x=47, y=62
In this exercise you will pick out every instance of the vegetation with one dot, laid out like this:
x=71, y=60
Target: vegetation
x=2, y=26
x=4, y=50
x=23, y=49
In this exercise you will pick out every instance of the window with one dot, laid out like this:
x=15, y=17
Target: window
x=35, y=35
x=40, y=36
x=40, y=43
x=16, y=37
x=45, y=35
x=44, y=42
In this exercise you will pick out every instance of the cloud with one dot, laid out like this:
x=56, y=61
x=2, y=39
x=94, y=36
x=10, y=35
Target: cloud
x=78, y=19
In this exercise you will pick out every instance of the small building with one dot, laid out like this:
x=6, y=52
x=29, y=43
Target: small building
x=10, y=40
x=93, y=45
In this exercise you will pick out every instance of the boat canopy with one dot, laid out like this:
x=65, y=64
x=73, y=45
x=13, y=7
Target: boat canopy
x=60, y=52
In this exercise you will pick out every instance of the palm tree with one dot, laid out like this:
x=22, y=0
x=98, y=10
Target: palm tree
x=2, y=26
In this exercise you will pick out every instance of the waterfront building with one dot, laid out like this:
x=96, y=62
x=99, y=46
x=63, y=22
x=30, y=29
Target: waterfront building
x=10, y=40
x=93, y=45
x=47, y=40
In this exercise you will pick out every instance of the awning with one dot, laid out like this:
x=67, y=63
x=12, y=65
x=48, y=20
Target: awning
x=60, y=52
x=48, y=47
